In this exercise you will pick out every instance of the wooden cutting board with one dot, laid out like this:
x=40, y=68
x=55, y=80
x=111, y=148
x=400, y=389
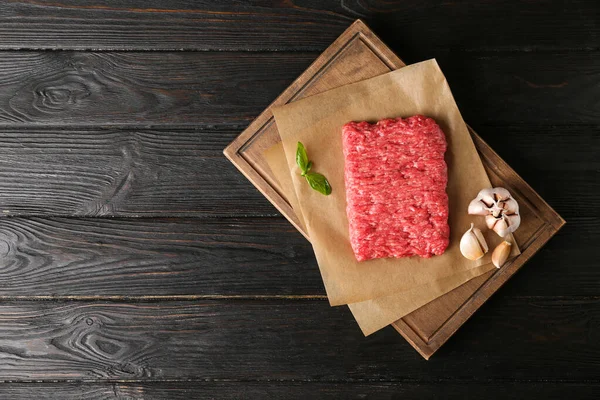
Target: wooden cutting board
x=357, y=55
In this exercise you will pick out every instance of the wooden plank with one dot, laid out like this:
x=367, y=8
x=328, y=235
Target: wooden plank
x=207, y=88
x=220, y=257
x=63, y=391
x=496, y=87
x=520, y=147
x=541, y=339
x=112, y=172
x=181, y=172
x=302, y=24
x=298, y=390
x=84, y=88
x=357, y=55
x=158, y=257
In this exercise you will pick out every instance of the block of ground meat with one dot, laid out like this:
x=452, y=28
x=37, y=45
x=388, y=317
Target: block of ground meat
x=396, y=178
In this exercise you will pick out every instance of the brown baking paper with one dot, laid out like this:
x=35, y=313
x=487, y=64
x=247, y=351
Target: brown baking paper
x=317, y=120
x=375, y=314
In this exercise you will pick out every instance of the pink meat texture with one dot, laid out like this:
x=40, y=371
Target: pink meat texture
x=396, y=178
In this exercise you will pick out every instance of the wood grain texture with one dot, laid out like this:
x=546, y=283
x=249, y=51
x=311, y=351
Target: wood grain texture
x=113, y=172
x=83, y=88
x=541, y=339
x=155, y=257
x=299, y=24
x=207, y=88
x=298, y=390
x=524, y=88
x=62, y=391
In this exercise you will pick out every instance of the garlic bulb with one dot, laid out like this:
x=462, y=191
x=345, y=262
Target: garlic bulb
x=472, y=244
x=501, y=253
x=501, y=211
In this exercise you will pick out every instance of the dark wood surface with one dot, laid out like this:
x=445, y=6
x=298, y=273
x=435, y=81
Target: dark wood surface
x=136, y=263
x=289, y=340
x=298, y=390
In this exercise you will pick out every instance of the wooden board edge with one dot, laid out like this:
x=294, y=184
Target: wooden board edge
x=413, y=339
x=233, y=148
x=473, y=303
x=267, y=190
x=376, y=43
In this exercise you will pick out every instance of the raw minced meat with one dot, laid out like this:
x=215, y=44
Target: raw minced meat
x=396, y=178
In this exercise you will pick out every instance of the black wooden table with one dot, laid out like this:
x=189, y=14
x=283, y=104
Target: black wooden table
x=137, y=263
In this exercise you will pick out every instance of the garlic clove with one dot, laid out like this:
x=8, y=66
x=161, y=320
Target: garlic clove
x=472, y=244
x=501, y=227
x=478, y=207
x=513, y=221
x=501, y=194
x=501, y=253
x=481, y=239
x=504, y=224
x=490, y=221
x=510, y=206
x=487, y=196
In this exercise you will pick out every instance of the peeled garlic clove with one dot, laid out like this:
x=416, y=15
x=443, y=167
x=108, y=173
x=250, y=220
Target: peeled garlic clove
x=472, y=244
x=501, y=253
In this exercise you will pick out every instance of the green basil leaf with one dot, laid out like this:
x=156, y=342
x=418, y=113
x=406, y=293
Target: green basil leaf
x=318, y=182
x=302, y=158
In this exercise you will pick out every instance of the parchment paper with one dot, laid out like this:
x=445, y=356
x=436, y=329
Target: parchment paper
x=317, y=120
x=375, y=314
